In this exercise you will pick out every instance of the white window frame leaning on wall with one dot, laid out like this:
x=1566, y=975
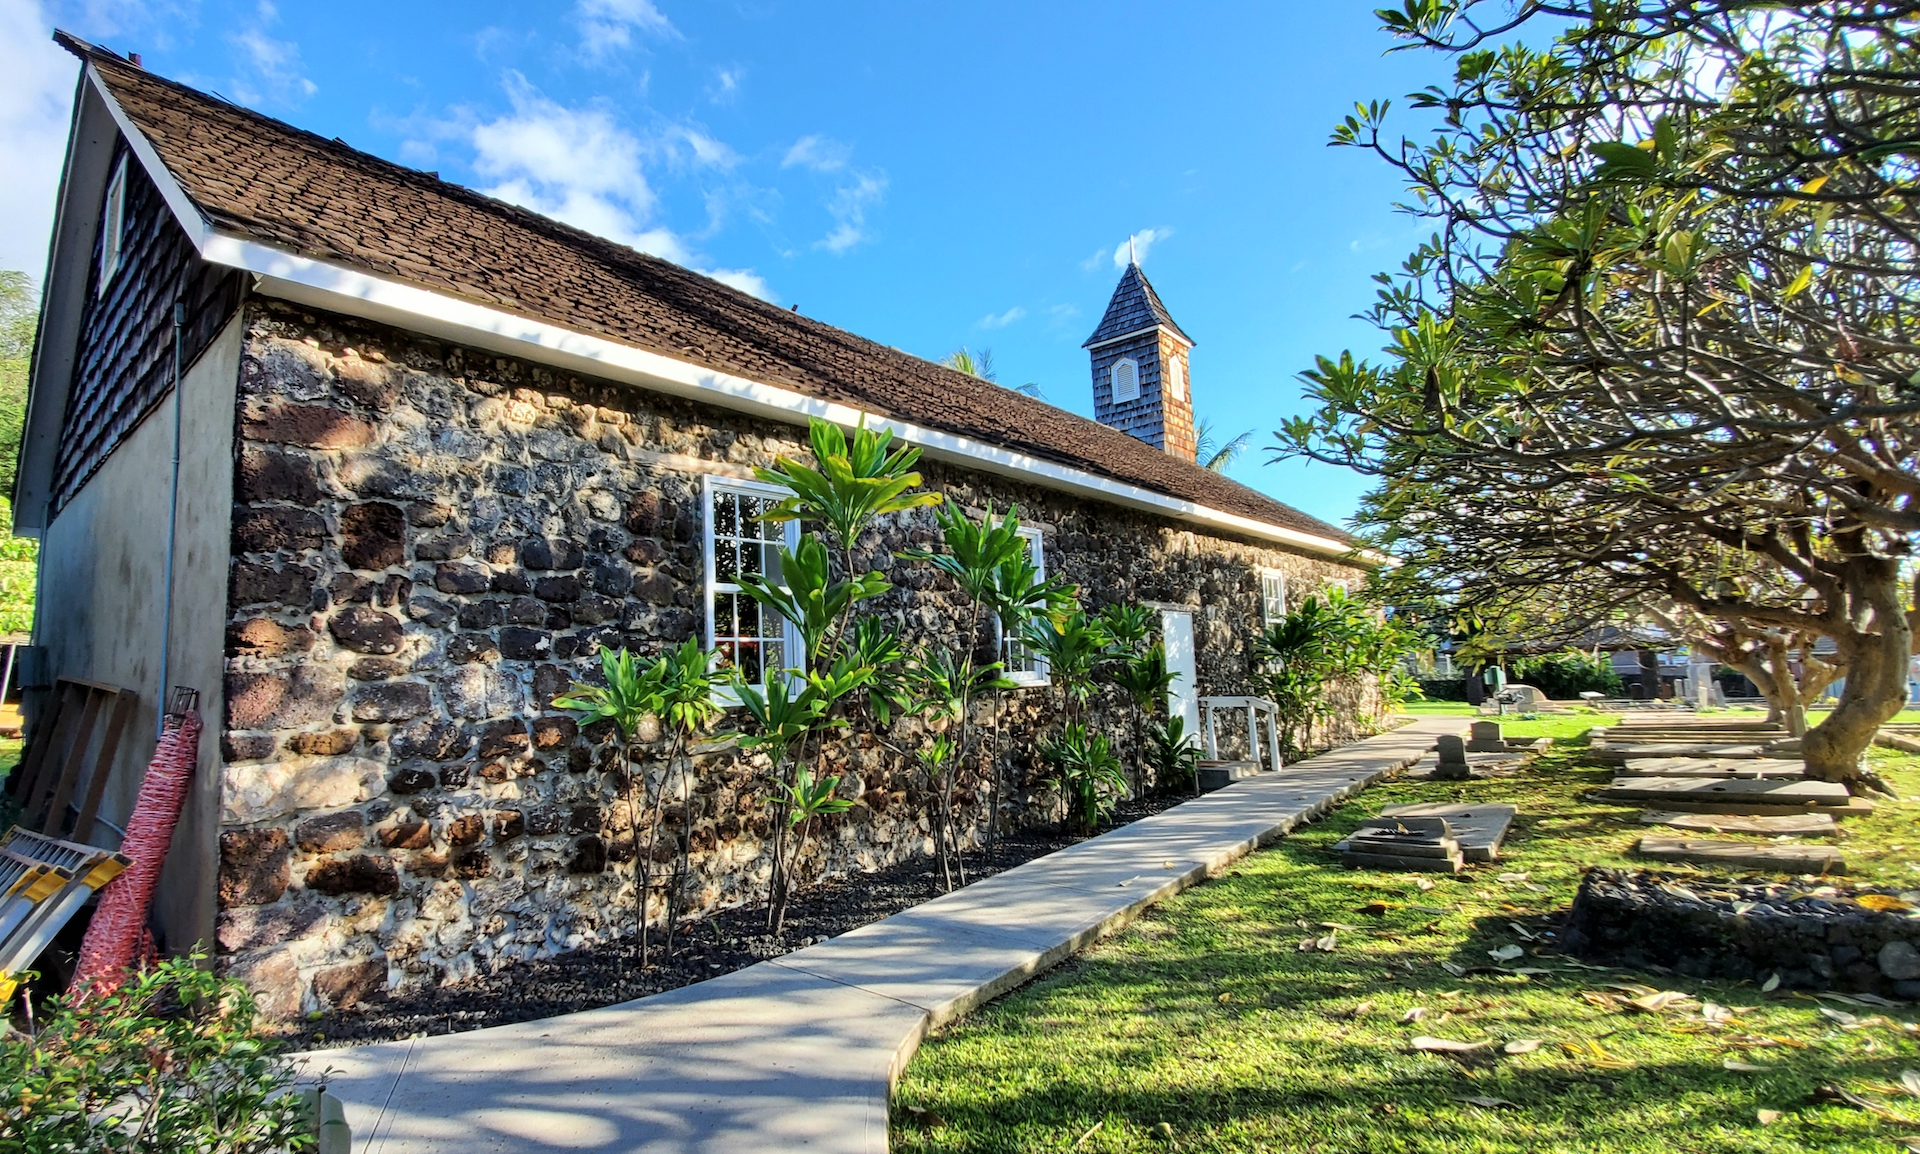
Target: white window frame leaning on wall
x=1273, y=597
x=1022, y=666
x=712, y=488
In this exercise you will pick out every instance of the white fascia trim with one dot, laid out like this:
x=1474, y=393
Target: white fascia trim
x=1139, y=333
x=184, y=210
x=337, y=289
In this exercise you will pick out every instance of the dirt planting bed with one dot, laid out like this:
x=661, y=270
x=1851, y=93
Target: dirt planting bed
x=720, y=943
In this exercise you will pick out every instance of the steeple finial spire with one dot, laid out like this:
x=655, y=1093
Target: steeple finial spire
x=1131, y=259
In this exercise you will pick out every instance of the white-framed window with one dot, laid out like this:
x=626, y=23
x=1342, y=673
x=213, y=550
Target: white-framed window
x=742, y=633
x=1177, y=378
x=113, y=223
x=1125, y=377
x=1273, y=596
x=1022, y=665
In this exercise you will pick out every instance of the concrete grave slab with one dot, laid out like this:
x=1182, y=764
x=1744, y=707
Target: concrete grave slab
x=1767, y=791
x=1800, y=823
x=1793, y=859
x=1714, y=767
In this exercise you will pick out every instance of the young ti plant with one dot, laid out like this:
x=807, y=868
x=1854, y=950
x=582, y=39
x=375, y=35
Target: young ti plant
x=1146, y=680
x=1019, y=595
x=1090, y=775
x=845, y=658
x=1174, y=755
x=974, y=556
x=943, y=690
x=632, y=693
x=1072, y=647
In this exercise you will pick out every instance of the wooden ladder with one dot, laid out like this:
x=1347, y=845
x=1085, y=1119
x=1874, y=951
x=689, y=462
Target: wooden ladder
x=76, y=739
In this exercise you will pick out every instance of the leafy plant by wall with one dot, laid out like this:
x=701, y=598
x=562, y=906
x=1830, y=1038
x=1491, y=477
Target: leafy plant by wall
x=171, y=1062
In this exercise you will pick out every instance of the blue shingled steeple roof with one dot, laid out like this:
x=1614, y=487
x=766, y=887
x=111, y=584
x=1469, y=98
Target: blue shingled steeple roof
x=1134, y=306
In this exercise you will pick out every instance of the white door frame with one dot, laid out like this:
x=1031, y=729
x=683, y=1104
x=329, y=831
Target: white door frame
x=1183, y=696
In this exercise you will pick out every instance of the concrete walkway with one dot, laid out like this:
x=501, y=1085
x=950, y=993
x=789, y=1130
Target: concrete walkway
x=801, y=1053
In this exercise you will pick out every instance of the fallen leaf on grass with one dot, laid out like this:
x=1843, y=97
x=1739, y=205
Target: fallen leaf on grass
x=1414, y=1015
x=925, y=1119
x=1506, y=953
x=1429, y=1045
x=1423, y=884
x=1597, y=998
x=1515, y=877
x=1767, y=1117
x=1090, y=1133
x=1454, y=968
x=1521, y=1046
x=1659, y=1000
x=1881, y=903
x=1770, y=985
x=1840, y=1095
x=1840, y=1016
x=1485, y=1103
x=1911, y=1080
x=1594, y=1054
x=1223, y=999
x=1738, y=1066
x=1877, y=1000
x=1911, y=1142
x=1373, y=909
x=1714, y=1012
x=1523, y=933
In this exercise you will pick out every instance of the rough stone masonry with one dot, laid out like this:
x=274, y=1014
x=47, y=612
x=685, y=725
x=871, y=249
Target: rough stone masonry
x=430, y=543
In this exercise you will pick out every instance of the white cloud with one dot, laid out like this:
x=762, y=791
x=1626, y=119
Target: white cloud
x=849, y=205
x=1135, y=247
x=607, y=25
x=581, y=166
x=726, y=84
x=271, y=70
x=819, y=153
x=1001, y=320
x=36, y=96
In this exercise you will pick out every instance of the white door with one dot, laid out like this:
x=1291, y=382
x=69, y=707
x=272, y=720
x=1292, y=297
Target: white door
x=1183, y=696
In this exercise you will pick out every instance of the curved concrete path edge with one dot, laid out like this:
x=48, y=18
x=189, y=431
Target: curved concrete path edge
x=802, y=1052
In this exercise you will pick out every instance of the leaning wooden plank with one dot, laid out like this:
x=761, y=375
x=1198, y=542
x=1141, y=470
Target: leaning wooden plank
x=1781, y=858
x=120, y=713
x=1480, y=829
x=56, y=812
x=49, y=732
x=1796, y=823
x=1403, y=864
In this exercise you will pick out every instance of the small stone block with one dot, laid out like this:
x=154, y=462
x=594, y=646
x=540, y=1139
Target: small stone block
x=1403, y=847
x=1450, y=865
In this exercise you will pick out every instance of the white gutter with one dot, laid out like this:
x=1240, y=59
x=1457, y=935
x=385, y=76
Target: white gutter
x=324, y=285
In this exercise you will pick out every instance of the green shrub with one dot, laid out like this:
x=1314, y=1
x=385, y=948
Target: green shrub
x=171, y=1063
x=1564, y=676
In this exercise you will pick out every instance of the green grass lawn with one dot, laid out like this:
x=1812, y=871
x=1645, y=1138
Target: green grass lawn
x=1207, y=1027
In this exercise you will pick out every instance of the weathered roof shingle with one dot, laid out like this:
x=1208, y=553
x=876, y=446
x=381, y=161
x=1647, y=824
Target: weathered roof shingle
x=268, y=181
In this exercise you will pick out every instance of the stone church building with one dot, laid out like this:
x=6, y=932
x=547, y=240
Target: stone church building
x=434, y=451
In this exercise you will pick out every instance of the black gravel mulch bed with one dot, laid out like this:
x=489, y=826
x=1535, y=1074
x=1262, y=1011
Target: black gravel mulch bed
x=717, y=944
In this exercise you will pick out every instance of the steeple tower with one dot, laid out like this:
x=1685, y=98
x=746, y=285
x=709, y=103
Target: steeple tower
x=1140, y=368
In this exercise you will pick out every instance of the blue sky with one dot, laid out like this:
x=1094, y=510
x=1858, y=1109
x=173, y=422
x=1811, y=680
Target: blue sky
x=929, y=176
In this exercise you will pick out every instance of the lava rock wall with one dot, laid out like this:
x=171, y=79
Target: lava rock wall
x=1706, y=929
x=430, y=543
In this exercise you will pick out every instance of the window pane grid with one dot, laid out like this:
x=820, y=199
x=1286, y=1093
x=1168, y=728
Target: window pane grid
x=747, y=636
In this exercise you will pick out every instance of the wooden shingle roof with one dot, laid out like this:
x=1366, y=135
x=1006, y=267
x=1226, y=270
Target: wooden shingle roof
x=266, y=181
x=1134, y=306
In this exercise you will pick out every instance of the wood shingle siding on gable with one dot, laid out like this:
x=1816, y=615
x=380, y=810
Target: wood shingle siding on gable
x=126, y=345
